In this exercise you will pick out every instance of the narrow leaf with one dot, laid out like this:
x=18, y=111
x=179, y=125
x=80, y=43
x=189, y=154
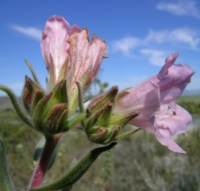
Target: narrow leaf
x=76, y=173
x=33, y=73
x=15, y=104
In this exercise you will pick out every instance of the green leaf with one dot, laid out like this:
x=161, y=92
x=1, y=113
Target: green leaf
x=76, y=173
x=5, y=181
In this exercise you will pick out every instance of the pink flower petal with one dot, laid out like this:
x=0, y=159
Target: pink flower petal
x=172, y=79
x=170, y=120
x=170, y=60
x=170, y=144
x=85, y=57
x=144, y=100
x=54, y=45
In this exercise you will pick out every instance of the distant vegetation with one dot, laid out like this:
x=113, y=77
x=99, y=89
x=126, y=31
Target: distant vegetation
x=191, y=103
x=139, y=163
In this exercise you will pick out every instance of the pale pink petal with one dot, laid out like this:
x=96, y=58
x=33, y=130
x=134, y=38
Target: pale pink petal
x=169, y=143
x=54, y=45
x=172, y=79
x=78, y=53
x=143, y=100
x=97, y=50
x=85, y=57
x=170, y=120
x=170, y=60
x=173, y=117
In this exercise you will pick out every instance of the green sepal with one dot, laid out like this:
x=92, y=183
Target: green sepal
x=54, y=120
x=38, y=111
x=5, y=180
x=99, y=135
x=101, y=101
x=36, y=98
x=107, y=126
x=57, y=95
x=104, y=118
x=74, y=120
x=102, y=135
x=121, y=119
x=78, y=171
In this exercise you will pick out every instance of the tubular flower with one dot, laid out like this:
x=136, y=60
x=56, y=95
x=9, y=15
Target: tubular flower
x=154, y=102
x=70, y=55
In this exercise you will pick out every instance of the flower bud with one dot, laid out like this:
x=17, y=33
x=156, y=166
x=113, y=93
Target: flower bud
x=103, y=100
x=51, y=112
x=31, y=94
x=103, y=125
x=104, y=135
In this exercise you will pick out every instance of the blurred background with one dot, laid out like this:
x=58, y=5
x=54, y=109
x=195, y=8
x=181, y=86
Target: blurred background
x=139, y=35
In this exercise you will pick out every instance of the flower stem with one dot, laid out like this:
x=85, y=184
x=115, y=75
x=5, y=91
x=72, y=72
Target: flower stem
x=42, y=166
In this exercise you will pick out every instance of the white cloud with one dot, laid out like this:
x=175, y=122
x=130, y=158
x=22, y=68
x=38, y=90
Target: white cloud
x=154, y=56
x=31, y=32
x=180, y=8
x=175, y=38
x=180, y=35
x=126, y=44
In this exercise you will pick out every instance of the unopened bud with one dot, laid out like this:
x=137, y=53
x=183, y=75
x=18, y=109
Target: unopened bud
x=32, y=93
x=103, y=135
x=103, y=100
x=50, y=113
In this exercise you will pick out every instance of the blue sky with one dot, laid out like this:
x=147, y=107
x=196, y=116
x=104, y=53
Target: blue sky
x=139, y=34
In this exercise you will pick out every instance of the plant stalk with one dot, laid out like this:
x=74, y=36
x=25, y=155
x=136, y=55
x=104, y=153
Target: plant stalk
x=42, y=165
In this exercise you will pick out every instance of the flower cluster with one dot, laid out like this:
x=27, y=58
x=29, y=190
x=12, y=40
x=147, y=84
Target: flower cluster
x=72, y=58
x=73, y=61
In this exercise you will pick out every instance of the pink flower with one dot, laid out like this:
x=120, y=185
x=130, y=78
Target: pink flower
x=69, y=54
x=154, y=101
